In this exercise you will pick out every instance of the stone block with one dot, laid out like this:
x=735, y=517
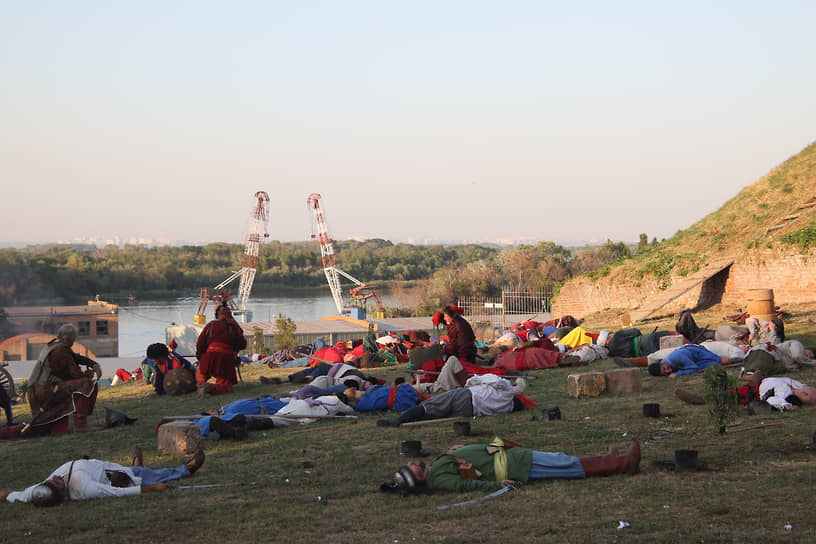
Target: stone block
x=672, y=341
x=623, y=380
x=179, y=437
x=589, y=384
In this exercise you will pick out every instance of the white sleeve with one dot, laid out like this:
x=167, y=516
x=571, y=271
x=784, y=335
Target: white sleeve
x=778, y=402
x=21, y=496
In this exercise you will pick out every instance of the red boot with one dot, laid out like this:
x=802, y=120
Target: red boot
x=611, y=464
x=81, y=424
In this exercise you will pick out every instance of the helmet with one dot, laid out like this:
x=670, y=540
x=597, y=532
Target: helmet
x=45, y=494
x=405, y=480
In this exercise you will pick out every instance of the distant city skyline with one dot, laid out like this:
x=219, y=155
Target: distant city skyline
x=452, y=120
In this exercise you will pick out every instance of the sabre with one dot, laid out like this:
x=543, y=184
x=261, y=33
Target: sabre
x=501, y=491
x=41, y=411
x=207, y=486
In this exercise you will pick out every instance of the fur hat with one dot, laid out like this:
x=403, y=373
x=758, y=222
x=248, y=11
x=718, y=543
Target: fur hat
x=157, y=351
x=114, y=417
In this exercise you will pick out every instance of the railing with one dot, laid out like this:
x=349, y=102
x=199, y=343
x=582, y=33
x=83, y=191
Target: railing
x=511, y=307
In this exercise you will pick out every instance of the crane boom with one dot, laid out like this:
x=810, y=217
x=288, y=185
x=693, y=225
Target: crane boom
x=320, y=232
x=257, y=231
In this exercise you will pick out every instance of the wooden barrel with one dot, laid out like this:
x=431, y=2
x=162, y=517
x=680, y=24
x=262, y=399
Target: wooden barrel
x=761, y=303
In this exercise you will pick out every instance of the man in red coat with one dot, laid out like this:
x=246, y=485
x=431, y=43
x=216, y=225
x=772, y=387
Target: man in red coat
x=217, y=351
x=58, y=387
x=462, y=341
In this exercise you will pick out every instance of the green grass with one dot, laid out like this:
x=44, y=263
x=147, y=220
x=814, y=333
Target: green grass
x=758, y=475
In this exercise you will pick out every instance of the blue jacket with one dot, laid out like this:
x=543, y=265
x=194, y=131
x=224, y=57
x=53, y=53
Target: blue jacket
x=690, y=359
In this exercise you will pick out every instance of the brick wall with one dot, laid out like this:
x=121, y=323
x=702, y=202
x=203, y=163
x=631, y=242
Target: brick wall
x=791, y=275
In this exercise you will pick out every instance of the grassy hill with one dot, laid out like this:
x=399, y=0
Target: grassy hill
x=749, y=220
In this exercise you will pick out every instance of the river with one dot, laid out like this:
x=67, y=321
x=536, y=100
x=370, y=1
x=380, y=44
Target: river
x=144, y=323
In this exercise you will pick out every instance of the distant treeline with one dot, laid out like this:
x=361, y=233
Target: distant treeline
x=49, y=274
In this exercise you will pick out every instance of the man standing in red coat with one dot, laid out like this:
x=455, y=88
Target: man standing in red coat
x=217, y=351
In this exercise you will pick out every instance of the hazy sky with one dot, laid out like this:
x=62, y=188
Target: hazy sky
x=456, y=120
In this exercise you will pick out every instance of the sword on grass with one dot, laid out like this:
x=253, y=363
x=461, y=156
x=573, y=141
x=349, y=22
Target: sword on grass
x=501, y=491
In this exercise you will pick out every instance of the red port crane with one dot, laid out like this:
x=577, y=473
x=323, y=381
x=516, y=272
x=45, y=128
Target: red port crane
x=257, y=231
x=320, y=233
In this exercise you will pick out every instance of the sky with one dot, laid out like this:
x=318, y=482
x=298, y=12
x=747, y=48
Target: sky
x=416, y=121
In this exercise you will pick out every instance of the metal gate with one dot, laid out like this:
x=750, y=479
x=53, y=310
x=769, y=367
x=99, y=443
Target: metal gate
x=511, y=307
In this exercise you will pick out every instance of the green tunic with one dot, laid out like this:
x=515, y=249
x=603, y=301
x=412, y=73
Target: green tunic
x=444, y=473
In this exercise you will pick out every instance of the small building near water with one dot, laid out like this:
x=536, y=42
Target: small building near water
x=97, y=326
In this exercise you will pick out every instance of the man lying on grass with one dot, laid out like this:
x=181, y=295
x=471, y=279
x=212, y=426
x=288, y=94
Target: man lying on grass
x=85, y=479
x=489, y=467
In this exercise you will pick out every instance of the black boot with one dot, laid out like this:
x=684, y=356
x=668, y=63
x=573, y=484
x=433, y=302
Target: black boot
x=417, y=413
x=235, y=429
x=259, y=424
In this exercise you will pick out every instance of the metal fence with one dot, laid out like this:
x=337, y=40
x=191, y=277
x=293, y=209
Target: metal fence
x=511, y=307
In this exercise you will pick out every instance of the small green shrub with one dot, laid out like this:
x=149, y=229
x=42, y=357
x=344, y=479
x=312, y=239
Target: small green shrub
x=804, y=237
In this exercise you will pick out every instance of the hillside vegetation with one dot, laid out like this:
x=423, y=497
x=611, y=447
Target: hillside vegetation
x=739, y=225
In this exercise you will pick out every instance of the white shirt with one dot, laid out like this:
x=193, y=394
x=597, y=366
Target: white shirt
x=724, y=349
x=328, y=405
x=491, y=395
x=782, y=389
x=88, y=481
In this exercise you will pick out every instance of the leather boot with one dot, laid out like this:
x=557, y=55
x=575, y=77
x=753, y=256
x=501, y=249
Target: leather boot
x=688, y=397
x=81, y=424
x=632, y=361
x=207, y=389
x=228, y=429
x=259, y=424
x=610, y=464
x=462, y=377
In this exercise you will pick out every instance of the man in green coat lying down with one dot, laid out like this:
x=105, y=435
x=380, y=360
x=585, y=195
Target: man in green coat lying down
x=489, y=467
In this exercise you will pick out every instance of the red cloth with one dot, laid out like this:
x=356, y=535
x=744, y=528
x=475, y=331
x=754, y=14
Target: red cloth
x=544, y=343
x=217, y=349
x=123, y=375
x=358, y=351
x=329, y=355
x=526, y=401
x=528, y=358
x=473, y=369
x=522, y=334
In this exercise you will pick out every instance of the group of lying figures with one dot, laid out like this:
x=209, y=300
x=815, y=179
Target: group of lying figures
x=460, y=377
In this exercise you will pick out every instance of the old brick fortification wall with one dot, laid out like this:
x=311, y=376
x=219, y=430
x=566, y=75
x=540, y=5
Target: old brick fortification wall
x=790, y=273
